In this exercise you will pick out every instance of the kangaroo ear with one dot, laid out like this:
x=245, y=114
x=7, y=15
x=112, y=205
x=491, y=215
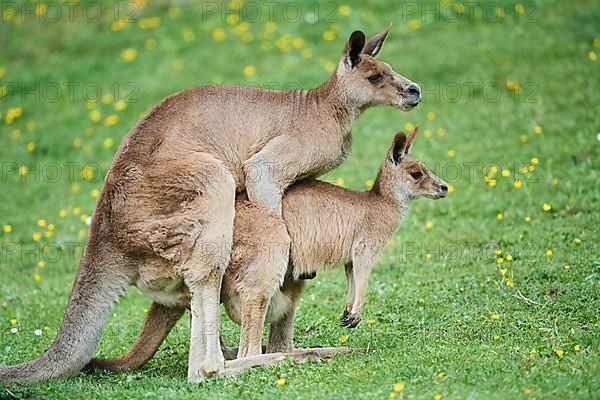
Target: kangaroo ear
x=375, y=43
x=410, y=138
x=398, y=146
x=354, y=47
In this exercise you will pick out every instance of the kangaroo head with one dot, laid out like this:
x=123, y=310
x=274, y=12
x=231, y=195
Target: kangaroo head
x=366, y=81
x=403, y=177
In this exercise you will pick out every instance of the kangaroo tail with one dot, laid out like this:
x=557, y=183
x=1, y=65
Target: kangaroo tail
x=95, y=291
x=159, y=322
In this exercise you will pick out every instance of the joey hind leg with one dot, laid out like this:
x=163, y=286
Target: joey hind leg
x=254, y=310
x=258, y=266
x=157, y=325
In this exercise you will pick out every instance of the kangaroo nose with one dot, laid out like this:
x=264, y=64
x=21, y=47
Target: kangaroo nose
x=413, y=89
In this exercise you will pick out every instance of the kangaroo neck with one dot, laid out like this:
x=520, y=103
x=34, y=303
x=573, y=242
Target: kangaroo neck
x=332, y=103
x=396, y=208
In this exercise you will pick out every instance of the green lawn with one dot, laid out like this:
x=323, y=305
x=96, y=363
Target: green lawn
x=510, y=119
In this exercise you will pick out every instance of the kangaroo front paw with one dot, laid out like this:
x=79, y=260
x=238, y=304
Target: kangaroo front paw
x=350, y=320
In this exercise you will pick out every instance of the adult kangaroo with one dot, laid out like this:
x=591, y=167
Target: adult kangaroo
x=168, y=199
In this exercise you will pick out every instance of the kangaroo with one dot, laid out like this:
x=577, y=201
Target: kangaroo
x=164, y=220
x=328, y=225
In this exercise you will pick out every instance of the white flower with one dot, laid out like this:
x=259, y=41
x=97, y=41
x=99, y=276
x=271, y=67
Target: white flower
x=37, y=332
x=14, y=330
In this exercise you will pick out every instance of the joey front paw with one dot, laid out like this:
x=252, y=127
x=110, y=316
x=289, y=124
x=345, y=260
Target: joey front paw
x=350, y=320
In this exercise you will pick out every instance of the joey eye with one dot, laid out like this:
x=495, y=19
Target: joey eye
x=375, y=78
x=416, y=175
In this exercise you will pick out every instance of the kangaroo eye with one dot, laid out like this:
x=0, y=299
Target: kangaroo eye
x=416, y=175
x=375, y=78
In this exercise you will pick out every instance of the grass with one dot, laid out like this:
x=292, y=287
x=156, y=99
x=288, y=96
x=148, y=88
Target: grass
x=447, y=320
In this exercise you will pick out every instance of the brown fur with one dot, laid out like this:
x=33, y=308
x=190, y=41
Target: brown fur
x=328, y=225
x=165, y=217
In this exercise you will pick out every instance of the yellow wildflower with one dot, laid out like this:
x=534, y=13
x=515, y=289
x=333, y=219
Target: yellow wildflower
x=415, y=24
x=329, y=35
x=218, y=35
x=345, y=10
x=120, y=105
x=95, y=116
x=129, y=54
x=249, y=70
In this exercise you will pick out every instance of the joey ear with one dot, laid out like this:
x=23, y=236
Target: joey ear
x=398, y=146
x=354, y=47
x=410, y=138
x=375, y=43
